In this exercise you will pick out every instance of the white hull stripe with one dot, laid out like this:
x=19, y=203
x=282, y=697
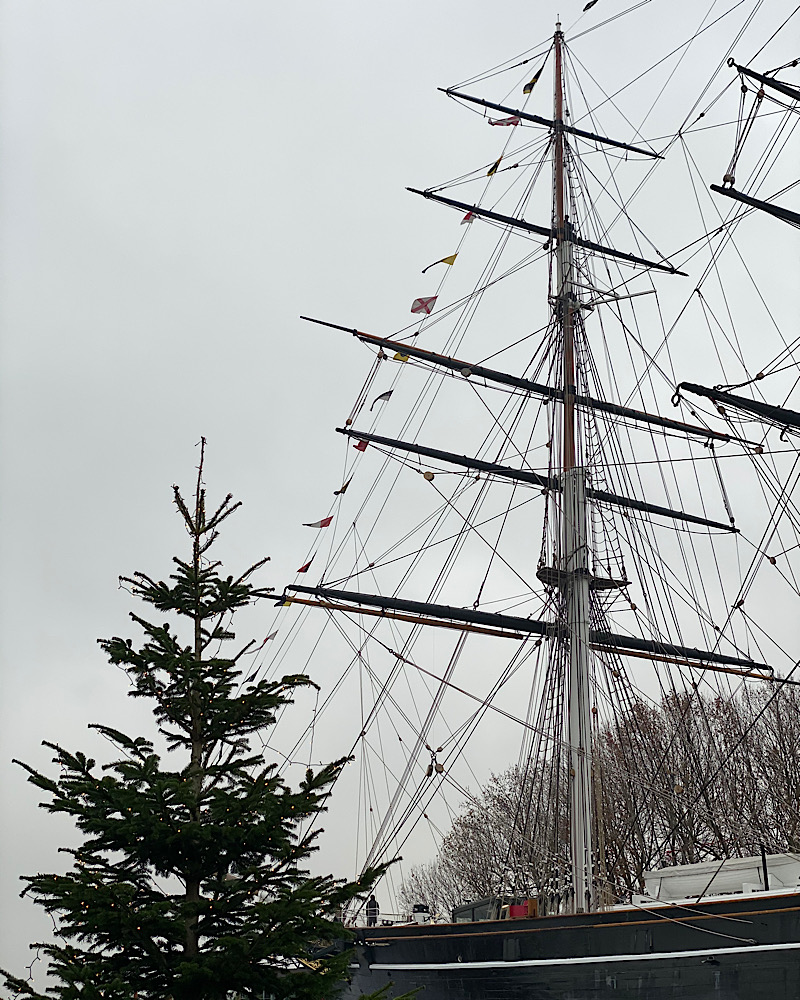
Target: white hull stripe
x=660, y=956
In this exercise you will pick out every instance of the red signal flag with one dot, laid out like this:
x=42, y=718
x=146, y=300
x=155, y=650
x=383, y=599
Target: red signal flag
x=424, y=305
x=319, y=524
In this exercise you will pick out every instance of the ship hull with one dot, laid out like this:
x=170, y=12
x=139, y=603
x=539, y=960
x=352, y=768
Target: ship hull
x=743, y=949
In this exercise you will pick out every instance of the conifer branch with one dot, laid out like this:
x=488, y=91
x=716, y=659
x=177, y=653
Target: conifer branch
x=238, y=908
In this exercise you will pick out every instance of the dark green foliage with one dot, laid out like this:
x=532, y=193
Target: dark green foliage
x=191, y=883
x=384, y=993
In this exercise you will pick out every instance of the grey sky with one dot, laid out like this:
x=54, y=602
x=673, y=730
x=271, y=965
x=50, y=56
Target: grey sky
x=180, y=180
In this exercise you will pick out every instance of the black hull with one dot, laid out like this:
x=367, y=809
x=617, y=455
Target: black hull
x=742, y=949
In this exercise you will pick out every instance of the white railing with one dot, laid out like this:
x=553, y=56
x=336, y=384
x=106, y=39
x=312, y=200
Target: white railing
x=387, y=919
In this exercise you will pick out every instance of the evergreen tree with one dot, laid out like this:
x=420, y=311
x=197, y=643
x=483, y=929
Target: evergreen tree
x=193, y=882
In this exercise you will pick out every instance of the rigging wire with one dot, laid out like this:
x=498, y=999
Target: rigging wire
x=506, y=425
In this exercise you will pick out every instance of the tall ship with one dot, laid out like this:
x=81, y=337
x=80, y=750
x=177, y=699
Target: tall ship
x=558, y=572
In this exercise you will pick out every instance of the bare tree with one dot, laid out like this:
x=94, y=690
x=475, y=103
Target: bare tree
x=695, y=778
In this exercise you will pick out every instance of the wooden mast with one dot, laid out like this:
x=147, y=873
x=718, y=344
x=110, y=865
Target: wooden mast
x=574, y=559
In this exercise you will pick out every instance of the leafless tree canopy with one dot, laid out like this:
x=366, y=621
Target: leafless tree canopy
x=693, y=779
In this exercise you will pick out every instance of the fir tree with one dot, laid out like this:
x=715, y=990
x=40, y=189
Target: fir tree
x=193, y=882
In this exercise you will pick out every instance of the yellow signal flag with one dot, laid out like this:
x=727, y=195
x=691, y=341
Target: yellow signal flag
x=285, y=603
x=532, y=83
x=442, y=260
x=400, y=357
x=493, y=169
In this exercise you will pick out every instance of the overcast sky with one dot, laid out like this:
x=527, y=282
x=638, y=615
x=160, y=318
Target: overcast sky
x=180, y=180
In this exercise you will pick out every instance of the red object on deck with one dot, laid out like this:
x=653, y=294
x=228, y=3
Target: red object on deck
x=517, y=910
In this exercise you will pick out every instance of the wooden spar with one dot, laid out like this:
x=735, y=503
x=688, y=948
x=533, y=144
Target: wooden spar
x=695, y=664
x=500, y=634
x=779, y=415
x=786, y=214
x=508, y=220
x=512, y=623
x=413, y=619
x=537, y=120
x=768, y=81
x=468, y=370
x=526, y=476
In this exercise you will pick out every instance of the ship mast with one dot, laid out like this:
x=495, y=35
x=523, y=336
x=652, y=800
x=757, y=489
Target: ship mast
x=574, y=547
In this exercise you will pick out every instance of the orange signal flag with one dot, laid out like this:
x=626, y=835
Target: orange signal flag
x=343, y=489
x=493, y=169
